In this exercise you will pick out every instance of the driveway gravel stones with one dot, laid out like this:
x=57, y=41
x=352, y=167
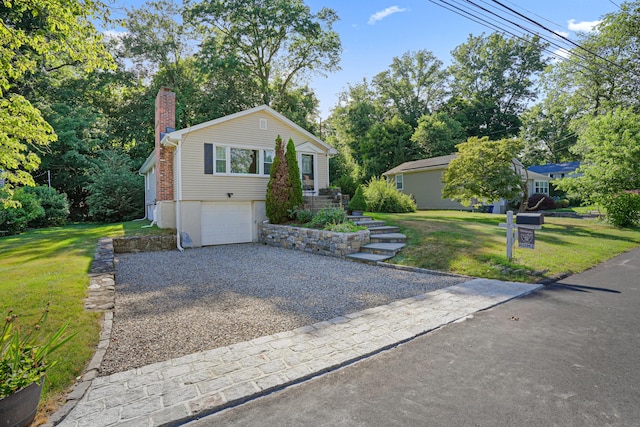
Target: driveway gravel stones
x=171, y=304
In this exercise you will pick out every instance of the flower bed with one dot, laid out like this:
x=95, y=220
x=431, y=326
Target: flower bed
x=311, y=240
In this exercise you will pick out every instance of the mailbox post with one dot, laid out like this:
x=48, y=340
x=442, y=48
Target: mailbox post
x=527, y=221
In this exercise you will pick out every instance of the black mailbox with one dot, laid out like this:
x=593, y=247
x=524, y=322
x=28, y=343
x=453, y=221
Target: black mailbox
x=530, y=218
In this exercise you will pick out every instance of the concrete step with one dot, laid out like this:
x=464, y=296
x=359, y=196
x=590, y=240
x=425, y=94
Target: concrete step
x=385, y=229
x=382, y=248
x=388, y=238
x=367, y=257
x=370, y=223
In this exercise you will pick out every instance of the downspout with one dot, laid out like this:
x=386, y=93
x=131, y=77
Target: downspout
x=179, y=195
x=145, y=198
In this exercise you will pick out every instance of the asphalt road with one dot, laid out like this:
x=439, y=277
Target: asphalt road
x=568, y=355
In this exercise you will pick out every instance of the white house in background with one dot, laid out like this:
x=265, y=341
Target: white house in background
x=209, y=181
x=423, y=180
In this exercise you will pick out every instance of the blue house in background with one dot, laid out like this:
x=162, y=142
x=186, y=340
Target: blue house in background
x=556, y=170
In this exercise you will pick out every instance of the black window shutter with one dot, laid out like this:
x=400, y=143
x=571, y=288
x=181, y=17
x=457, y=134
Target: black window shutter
x=208, y=158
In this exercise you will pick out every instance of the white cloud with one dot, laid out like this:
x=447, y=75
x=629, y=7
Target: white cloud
x=114, y=35
x=584, y=26
x=379, y=16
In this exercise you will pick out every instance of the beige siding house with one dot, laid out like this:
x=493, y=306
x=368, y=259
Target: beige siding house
x=209, y=181
x=423, y=180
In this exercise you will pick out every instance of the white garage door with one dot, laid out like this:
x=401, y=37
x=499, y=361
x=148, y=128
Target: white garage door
x=224, y=223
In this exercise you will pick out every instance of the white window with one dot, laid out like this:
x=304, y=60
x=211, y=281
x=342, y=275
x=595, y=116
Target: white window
x=541, y=187
x=225, y=160
x=221, y=159
x=399, y=182
x=244, y=161
x=268, y=160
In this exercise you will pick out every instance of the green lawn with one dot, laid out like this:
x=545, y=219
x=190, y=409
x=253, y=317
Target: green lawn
x=473, y=244
x=51, y=265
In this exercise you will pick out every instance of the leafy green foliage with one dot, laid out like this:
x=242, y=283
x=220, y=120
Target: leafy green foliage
x=24, y=209
x=623, y=209
x=382, y=196
x=610, y=149
x=387, y=145
x=23, y=357
x=116, y=192
x=302, y=216
x=272, y=42
x=437, y=134
x=295, y=183
x=43, y=35
x=358, y=202
x=344, y=227
x=413, y=86
x=327, y=216
x=485, y=170
x=495, y=76
x=55, y=205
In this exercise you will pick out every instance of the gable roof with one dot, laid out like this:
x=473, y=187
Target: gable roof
x=176, y=136
x=440, y=162
x=555, y=167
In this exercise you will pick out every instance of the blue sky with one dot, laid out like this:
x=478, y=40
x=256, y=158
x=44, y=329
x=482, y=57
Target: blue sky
x=373, y=32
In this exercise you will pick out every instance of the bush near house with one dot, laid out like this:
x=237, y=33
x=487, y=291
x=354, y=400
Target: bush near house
x=382, y=196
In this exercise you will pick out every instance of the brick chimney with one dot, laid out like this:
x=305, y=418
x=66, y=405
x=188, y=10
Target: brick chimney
x=165, y=123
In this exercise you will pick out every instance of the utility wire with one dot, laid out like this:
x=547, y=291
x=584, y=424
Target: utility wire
x=559, y=35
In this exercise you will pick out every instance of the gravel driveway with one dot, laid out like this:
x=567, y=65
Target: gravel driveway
x=169, y=304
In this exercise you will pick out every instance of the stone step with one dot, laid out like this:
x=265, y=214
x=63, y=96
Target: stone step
x=358, y=218
x=370, y=223
x=367, y=257
x=382, y=248
x=385, y=229
x=388, y=238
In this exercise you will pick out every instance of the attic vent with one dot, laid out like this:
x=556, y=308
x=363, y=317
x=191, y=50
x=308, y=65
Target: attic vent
x=263, y=124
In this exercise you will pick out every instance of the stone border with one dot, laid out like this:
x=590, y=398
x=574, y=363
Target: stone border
x=312, y=240
x=101, y=298
x=135, y=244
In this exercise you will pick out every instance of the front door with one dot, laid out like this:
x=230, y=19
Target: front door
x=308, y=173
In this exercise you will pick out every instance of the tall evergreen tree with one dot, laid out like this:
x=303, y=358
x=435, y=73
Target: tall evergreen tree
x=277, y=197
x=295, y=200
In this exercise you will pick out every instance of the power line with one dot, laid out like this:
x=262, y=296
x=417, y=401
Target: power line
x=558, y=35
x=571, y=48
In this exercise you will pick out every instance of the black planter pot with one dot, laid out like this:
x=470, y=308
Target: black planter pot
x=19, y=408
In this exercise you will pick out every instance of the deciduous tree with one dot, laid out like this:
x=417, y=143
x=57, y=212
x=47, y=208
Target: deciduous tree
x=610, y=152
x=486, y=171
x=275, y=42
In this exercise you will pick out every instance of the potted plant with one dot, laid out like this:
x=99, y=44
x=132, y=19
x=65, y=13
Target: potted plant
x=23, y=364
x=357, y=205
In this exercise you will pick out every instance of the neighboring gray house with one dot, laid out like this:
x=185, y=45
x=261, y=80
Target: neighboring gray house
x=209, y=181
x=423, y=180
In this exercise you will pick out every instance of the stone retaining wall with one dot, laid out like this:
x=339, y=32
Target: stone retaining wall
x=310, y=240
x=144, y=243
